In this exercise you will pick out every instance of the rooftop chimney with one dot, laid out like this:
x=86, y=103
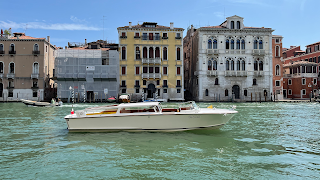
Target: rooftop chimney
x=171, y=25
x=130, y=24
x=48, y=38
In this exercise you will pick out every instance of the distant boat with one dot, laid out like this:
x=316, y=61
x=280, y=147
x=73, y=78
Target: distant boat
x=124, y=98
x=41, y=104
x=111, y=99
x=148, y=116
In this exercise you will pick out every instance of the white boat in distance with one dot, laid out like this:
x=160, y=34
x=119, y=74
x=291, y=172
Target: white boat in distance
x=41, y=104
x=147, y=116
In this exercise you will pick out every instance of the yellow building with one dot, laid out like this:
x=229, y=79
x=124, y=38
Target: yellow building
x=151, y=61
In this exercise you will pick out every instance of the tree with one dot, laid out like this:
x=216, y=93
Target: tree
x=7, y=32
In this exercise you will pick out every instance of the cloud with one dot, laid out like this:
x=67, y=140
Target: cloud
x=75, y=19
x=45, y=26
x=254, y=2
x=219, y=15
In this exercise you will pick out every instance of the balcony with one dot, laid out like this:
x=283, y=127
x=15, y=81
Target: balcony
x=12, y=52
x=157, y=60
x=123, y=37
x=235, y=51
x=35, y=76
x=2, y=52
x=211, y=73
x=258, y=73
x=178, y=86
x=230, y=73
x=165, y=86
x=164, y=37
x=123, y=86
x=151, y=75
x=10, y=75
x=299, y=75
x=35, y=53
x=137, y=86
x=136, y=37
x=213, y=51
x=178, y=37
x=236, y=73
x=1, y=75
x=258, y=52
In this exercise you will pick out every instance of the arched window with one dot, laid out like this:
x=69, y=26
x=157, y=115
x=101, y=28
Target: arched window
x=214, y=64
x=35, y=68
x=209, y=65
x=1, y=48
x=226, y=92
x=260, y=66
x=260, y=44
x=36, y=47
x=238, y=44
x=277, y=51
x=232, y=65
x=238, y=65
x=1, y=67
x=157, y=52
x=215, y=44
x=216, y=81
x=232, y=44
x=11, y=68
x=238, y=24
x=277, y=70
x=12, y=47
x=207, y=92
x=165, y=54
x=232, y=24
x=209, y=44
x=178, y=53
x=145, y=52
x=227, y=44
x=243, y=64
x=123, y=53
x=227, y=65
x=254, y=82
x=151, y=52
x=255, y=65
x=137, y=53
x=255, y=44
x=243, y=44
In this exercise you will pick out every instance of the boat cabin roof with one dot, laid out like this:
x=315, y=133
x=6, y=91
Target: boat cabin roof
x=139, y=104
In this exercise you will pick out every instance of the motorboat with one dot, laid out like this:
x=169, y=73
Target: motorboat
x=147, y=116
x=41, y=104
x=124, y=98
x=111, y=99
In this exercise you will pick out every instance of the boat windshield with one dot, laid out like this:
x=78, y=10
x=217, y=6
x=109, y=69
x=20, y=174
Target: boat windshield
x=191, y=105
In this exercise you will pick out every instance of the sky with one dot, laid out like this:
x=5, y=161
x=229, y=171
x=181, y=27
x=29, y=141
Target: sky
x=76, y=20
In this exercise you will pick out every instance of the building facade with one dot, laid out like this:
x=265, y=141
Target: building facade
x=26, y=68
x=230, y=61
x=151, y=61
x=278, y=92
x=301, y=71
x=89, y=70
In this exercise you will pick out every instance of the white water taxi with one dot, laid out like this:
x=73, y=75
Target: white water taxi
x=147, y=116
x=41, y=104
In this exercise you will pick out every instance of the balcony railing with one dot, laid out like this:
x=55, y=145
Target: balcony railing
x=258, y=73
x=35, y=76
x=123, y=37
x=35, y=87
x=178, y=86
x=178, y=37
x=258, y=52
x=35, y=52
x=312, y=75
x=164, y=37
x=12, y=52
x=2, y=52
x=10, y=75
x=165, y=86
x=235, y=51
x=157, y=60
x=137, y=86
x=212, y=51
x=151, y=75
x=151, y=38
x=136, y=37
x=236, y=73
x=123, y=86
x=211, y=73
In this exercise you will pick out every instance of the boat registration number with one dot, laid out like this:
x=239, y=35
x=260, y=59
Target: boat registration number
x=194, y=116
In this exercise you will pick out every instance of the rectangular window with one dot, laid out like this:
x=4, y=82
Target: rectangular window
x=123, y=90
x=178, y=83
x=137, y=83
x=314, y=81
x=165, y=91
x=137, y=90
x=178, y=70
x=105, y=61
x=157, y=36
x=277, y=40
x=10, y=94
x=178, y=35
x=289, y=82
x=123, y=70
x=144, y=82
x=245, y=92
x=144, y=36
x=277, y=83
x=165, y=34
x=123, y=83
x=303, y=81
x=178, y=90
x=137, y=70
x=145, y=69
x=150, y=69
x=137, y=34
x=34, y=94
x=165, y=82
x=303, y=92
x=157, y=69
x=165, y=70
x=158, y=82
x=289, y=92
x=123, y=34
x=150, y=36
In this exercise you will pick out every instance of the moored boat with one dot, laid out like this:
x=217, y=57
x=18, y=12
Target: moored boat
x=111, y=99
x=40, y=104
x=147, y=116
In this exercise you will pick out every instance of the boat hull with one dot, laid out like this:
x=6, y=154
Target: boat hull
x=153, y=122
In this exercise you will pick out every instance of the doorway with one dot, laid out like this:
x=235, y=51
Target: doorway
x=284, y=93
x=90, y=96
x=236, y=91
x=151, y=90
x=1, y=89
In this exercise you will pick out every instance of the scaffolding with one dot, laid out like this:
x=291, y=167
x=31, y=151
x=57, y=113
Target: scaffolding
x=88, y=73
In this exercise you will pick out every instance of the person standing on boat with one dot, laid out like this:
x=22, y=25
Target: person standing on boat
x=53, y=101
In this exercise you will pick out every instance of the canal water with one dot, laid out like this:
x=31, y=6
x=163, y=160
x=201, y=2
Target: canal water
x=262, y=141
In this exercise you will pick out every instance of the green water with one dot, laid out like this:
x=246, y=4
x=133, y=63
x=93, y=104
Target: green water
x=262, y=141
